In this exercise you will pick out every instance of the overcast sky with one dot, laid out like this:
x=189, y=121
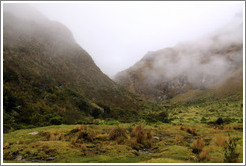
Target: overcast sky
x=118, y=34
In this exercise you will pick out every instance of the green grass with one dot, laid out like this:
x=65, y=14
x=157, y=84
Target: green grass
x=169, y=143
x=104, y=150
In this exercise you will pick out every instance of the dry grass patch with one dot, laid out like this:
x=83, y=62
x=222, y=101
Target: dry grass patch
x=203, y=155
x=179, y=138
x=141, y=138
x=220, y=140
x=198, y=145
x=191, y=131
x=119, y=134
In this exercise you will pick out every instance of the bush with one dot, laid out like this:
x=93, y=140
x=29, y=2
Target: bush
x=157, y=116
x=163, y=117
x=230, y=151
x=219, y=121
x=96, y=113
x=57, y=120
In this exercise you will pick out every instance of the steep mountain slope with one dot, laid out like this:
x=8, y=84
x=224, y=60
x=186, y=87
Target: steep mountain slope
x=210, y=62
x=49, y=79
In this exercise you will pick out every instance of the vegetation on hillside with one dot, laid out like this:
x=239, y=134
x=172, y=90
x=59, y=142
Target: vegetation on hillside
x=49, y=79
x=58, y=107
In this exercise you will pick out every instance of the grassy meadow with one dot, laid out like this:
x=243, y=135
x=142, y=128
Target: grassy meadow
x=205, y=130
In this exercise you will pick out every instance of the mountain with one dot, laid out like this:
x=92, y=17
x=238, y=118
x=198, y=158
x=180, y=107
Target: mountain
x=49, y=79
x=214, y=61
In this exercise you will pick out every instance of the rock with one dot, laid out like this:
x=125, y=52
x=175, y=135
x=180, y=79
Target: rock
x=157, y=138
x=19, y=157
x=33, y=133
x=50, y=158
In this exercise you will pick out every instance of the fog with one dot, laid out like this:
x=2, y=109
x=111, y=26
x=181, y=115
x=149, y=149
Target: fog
x=118, y=34
x=204, y=61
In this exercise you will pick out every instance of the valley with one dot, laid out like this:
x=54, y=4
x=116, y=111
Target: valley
x=181, y=104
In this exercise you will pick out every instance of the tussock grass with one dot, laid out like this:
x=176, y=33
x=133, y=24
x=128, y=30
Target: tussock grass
x=191, y=131
x=141, y=138
x=198, y=145
x=220, y=140
x=203, y=155
x=119, y=134
x=179, y=139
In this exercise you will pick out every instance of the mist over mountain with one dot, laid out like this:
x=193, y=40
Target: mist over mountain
x=180, y=104
x=48, y=78
x=199, y=64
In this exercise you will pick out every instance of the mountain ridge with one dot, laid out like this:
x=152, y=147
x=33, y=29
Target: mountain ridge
x=48, y=78
x=199, y=64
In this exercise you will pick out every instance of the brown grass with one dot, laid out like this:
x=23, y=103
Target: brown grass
x=142, y=136
x=73, y=141
x=138, y=133
x=191, y=131
x=179, y=138
x=82, y=147
x=6, y=145
x=198, y=145
x=220, y=140
x=118, y=134
x=229, y=129
x=85, y=135
x=81, y=127
x=204, y=155
x=149, y=134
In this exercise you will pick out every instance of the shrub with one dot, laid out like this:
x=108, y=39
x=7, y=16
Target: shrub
x=230, y=151
x=219, y=121
x=197, y=145
x=96, y=113
x=163, y=117
x=57, y=120
x=155, y=117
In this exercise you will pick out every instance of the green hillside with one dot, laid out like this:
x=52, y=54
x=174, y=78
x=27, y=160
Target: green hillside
x=49, y=79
